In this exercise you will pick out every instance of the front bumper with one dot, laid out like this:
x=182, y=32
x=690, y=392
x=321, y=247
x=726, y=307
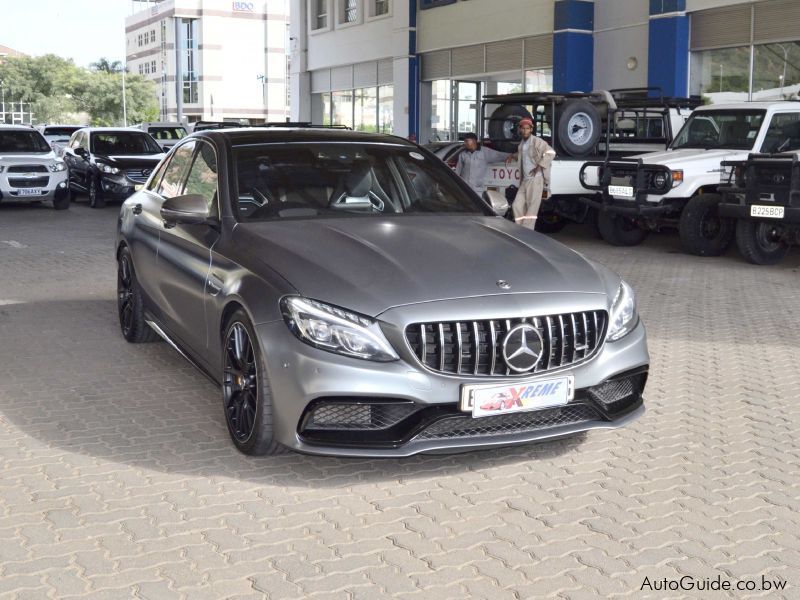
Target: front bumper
x=118, y=187
x=647, y=200
x=791, y=216
x=407, y=410
x=33, y=188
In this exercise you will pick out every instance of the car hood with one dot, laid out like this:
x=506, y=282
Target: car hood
x=133, y=160
x=686, y=157
x=371, y=264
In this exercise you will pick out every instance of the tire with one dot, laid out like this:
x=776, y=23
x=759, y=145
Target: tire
x=550, y=223
x=753, y=238
x=96, y=199
x=503, y=124
x=579, y=127
x=61, y=203
x=618, y=230
x=702, y=231
x=130, y=305
x=246, y=394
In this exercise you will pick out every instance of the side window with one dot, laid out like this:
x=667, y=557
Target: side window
x=73, y=141
x=175, y=174
x=783, y=134
x=83, y=141
x=155, y=180
x=202, y=178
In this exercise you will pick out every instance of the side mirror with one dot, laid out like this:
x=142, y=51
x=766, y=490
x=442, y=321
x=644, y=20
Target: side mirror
x=497, y=200
x=190, y=209
x=79, y=151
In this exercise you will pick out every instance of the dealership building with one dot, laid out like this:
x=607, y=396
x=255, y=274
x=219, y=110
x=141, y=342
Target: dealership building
x=420, y=66
x=213, y=59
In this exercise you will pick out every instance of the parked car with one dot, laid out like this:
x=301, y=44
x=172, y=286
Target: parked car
x=352, y=296
x=762, y=195
x=679, y=187
x=58, y=136
x=167, y=133
x=110, y=164
x=29, y=169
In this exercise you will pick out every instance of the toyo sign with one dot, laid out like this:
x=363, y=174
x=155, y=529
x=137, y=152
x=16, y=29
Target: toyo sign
x=243, y=7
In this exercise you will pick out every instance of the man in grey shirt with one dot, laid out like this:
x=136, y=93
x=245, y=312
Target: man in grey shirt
x=473, y=163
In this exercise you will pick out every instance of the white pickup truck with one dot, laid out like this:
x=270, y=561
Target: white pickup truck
x=679, y=186
x=579, y=126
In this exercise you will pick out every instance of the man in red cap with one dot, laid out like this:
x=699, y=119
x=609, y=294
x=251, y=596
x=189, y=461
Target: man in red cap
x=534, y=156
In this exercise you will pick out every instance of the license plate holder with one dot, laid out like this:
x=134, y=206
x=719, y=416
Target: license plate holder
x=29, y=192
x=623, y=191
x=487, y=400
x=766, y=212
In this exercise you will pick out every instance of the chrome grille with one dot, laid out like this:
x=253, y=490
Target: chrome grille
x=476, y=347
x=26, y=169
x=139, y=175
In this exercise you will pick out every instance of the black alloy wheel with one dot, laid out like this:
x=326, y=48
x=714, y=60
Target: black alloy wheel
x=95, y=195
x=130, y=307
x=246, y=396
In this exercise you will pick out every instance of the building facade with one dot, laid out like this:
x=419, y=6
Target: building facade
x=213, y=59
x=420, y=67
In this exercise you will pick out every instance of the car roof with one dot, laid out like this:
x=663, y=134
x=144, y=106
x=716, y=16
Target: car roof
x=161, y=124
x=789, y=105
x=17, y=127
x=270, y=135
x=112, y=130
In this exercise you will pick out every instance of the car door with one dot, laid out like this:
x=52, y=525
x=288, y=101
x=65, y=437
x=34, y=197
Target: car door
x=184, y=253
x=75, y=163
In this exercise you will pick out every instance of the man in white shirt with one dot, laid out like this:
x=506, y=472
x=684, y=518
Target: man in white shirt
x=473, y=162
x=535, y=157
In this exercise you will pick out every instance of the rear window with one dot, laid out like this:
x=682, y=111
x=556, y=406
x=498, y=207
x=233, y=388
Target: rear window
x=60, y=131
x=22, y=141
x=167, y=133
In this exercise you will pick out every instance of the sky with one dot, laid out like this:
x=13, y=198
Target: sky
x=83, y=30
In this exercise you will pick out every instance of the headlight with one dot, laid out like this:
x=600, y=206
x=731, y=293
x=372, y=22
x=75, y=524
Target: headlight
x=623, y=316
x=336, y=330
x=57, y=166
x=677, y=177
x=660, y=180
x=107, y=168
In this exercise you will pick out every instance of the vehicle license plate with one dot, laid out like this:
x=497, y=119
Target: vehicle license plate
x=488, y=400
x=770, y=212
x=137, y=187
x=625, y=191
x=29, y=192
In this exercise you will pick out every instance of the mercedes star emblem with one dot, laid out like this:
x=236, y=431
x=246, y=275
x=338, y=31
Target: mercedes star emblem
x=522, y=348
x=503, y=284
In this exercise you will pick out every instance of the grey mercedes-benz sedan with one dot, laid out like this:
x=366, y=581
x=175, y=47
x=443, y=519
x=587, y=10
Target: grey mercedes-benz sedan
x=351, y=296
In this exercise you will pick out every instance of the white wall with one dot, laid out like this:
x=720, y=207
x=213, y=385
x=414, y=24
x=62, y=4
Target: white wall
x=693, y=5
x=477, y=21
x=621, y=32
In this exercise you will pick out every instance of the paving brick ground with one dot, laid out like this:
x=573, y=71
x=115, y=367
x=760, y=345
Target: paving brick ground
x=117, y=478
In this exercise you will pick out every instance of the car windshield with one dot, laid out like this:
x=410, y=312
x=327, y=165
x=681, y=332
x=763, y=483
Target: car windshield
x=323, y=180
x=124, y=142
x=729, y=129
x=59, y=132
x=167, y=133
x=22, y=141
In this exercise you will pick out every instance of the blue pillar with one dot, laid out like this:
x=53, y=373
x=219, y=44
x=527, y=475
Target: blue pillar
x=413, y=72
x=668, y=51
x=573, y=46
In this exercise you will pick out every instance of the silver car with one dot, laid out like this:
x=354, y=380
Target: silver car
x=351, y=296
x=29, y=169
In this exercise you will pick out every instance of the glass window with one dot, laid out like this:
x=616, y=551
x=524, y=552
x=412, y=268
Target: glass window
x=441, y=119
x=320, y=20
x=167, y=133
x=386, y=109
x=776, y=71
x=366, y=110
x=509, y=87
x=202, y=178
x=729, y=129
x=123, y=143
x=23, y=141
x=346, y=180
x=722, y=75
x=467, y=107
x=381, y=7
x=190, y=33
x=539, y=80
x=172, y=183
x=342, y=108
x=783, y=134
x=153, y=67
x=350, y=11
x=326, y=108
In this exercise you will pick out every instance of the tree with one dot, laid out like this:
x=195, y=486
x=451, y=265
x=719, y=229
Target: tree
x=58, y=89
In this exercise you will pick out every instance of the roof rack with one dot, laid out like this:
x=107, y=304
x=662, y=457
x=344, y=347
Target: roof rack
x=307, y=124
x=651, y=97
x=205, y=125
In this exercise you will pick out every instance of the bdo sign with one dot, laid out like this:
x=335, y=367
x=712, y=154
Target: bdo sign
x=243, y=7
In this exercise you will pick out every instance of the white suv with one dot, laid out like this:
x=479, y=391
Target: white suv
x=679, y=187
x=29, y=169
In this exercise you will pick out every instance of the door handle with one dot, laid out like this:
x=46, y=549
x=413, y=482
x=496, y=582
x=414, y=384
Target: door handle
x=214, y=283
x=137, y=209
